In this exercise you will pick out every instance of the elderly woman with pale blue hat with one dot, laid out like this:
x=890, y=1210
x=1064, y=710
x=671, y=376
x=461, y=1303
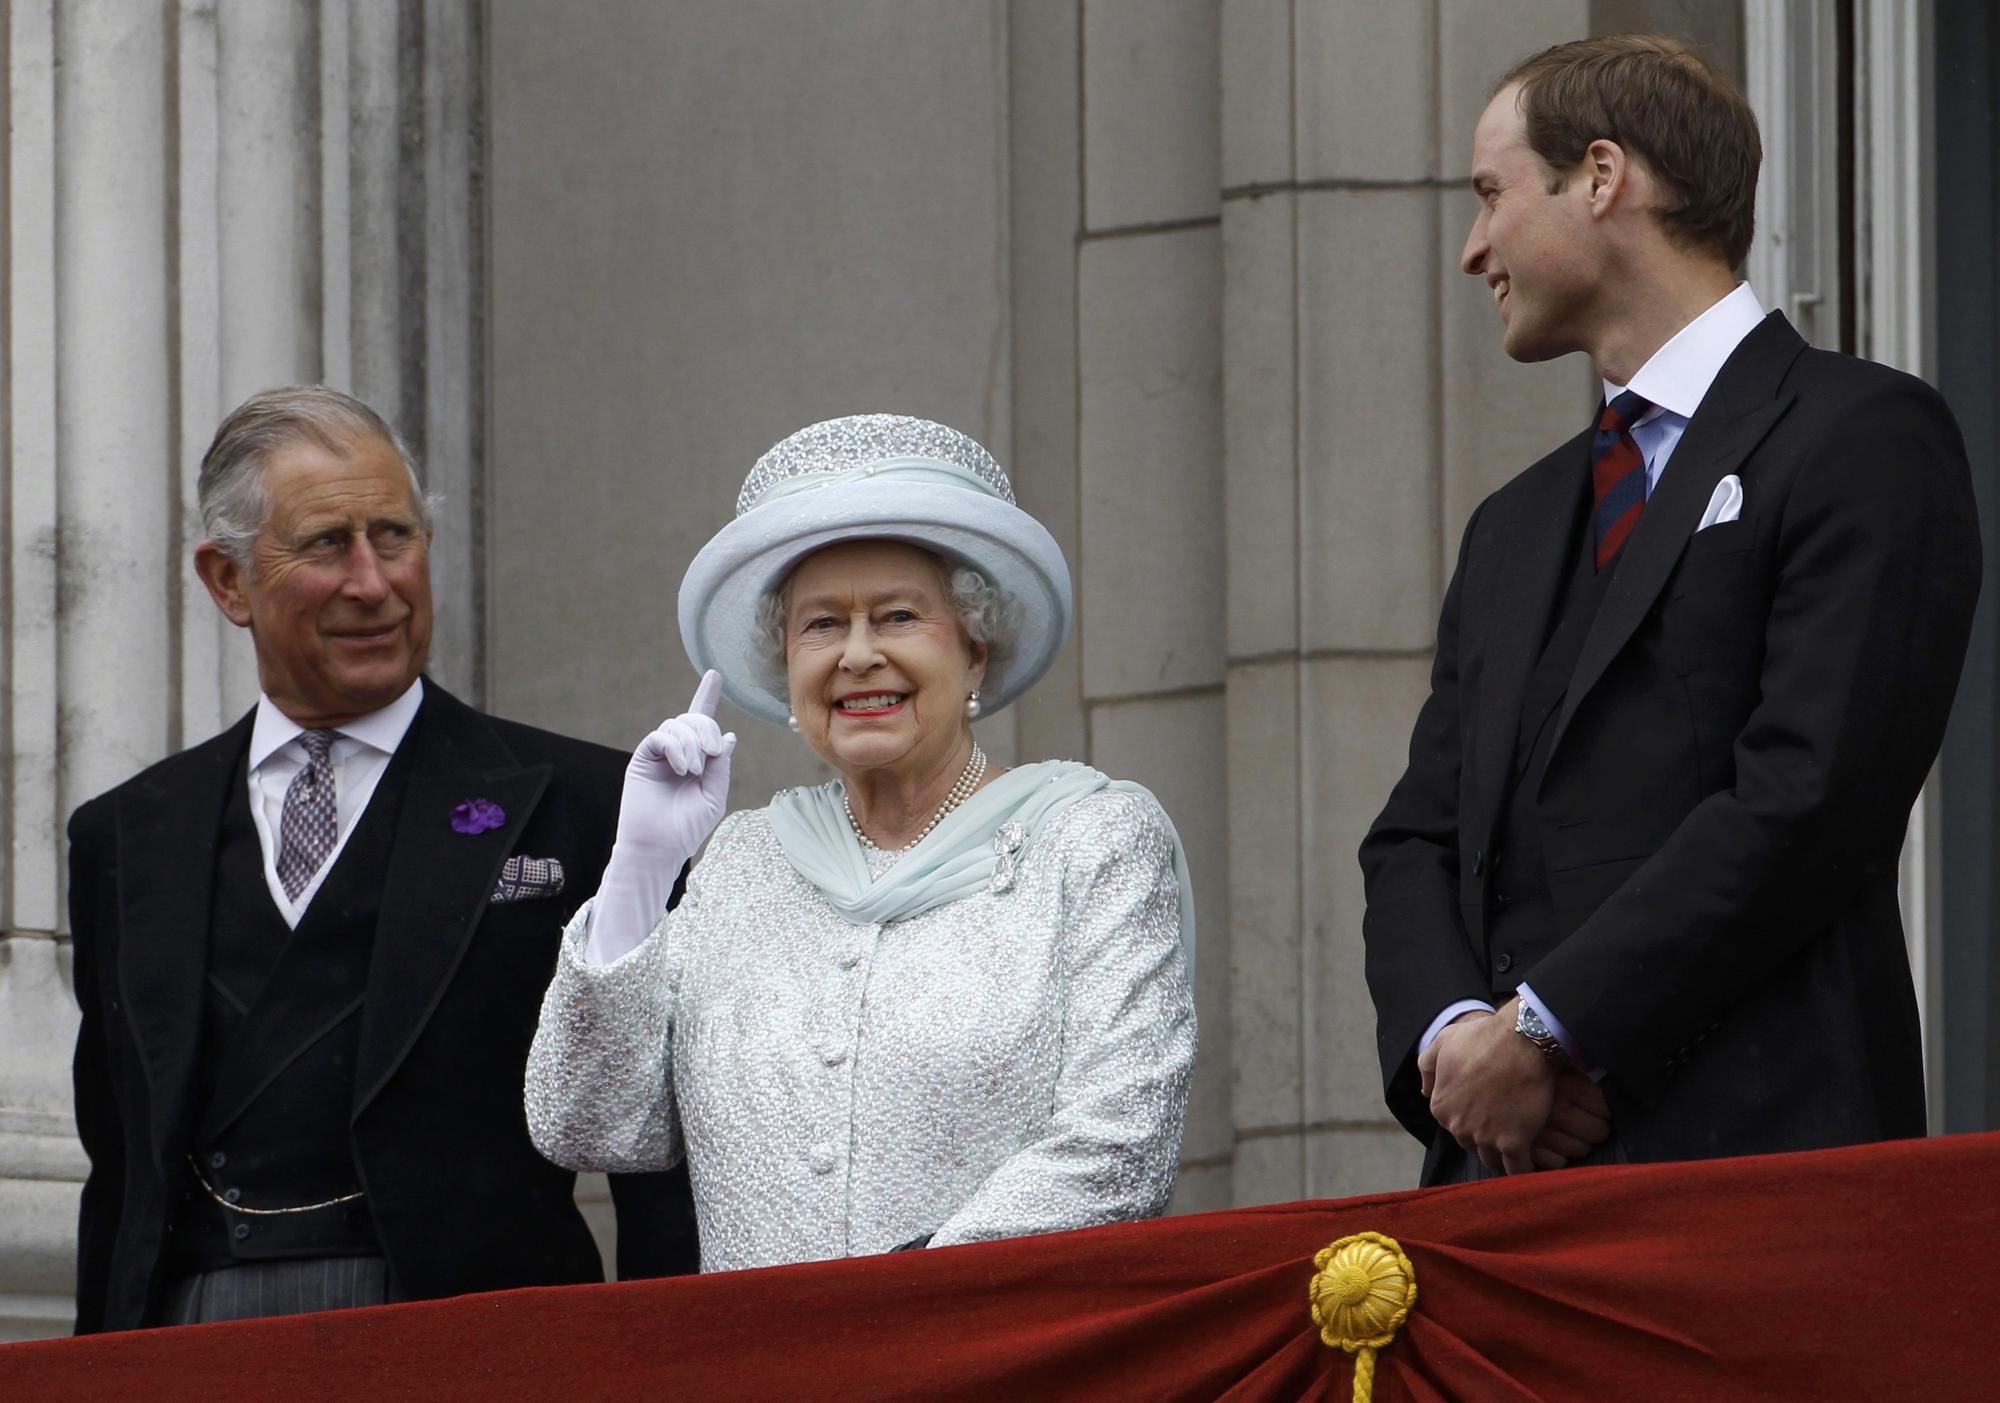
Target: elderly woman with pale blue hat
x=929, y=1002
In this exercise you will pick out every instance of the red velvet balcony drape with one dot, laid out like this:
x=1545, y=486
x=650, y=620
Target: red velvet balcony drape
x=1848, y=1274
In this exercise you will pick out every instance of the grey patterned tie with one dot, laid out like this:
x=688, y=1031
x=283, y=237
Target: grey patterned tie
x=312, y=818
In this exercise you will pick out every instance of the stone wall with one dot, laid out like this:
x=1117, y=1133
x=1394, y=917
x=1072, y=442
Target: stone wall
x=1368, y=409
x=1187, y=266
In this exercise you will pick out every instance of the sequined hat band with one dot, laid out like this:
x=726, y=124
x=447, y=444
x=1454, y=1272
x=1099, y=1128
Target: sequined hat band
x=889, y=469
x=835, y=446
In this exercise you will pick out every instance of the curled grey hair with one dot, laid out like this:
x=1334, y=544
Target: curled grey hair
x=988, y=614
x=234, y=503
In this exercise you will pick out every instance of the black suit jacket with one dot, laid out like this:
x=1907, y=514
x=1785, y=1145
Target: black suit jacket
x=460, y=1199
x=1748, y=723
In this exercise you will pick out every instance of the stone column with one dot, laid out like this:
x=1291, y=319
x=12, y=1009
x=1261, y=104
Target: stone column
x=1367, y=410
x=203, y=198
x=1148, y=269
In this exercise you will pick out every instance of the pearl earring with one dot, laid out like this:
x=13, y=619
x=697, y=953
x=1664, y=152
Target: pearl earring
x=792, y=721
x=972, y=707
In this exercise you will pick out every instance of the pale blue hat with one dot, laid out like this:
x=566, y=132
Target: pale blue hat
x=872, y=477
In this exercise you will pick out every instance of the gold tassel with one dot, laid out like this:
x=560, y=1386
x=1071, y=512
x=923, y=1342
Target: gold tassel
x=1362, y=1292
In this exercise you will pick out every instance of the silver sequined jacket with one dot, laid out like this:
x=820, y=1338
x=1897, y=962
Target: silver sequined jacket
x=1012, y=1062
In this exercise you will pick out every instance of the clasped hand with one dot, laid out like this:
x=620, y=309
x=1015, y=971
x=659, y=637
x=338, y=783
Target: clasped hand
x=1496, y=1094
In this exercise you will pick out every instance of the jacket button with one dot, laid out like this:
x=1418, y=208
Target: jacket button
x=822, y=1159
x=217, y=1160
x=833, y=1056
x=231, y=1195
x=1503, y=961
x=850, y=959
x=240, y=1231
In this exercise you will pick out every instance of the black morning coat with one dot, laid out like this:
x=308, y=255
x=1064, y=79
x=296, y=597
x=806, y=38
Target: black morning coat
x=459, y=1198
x=1749, y=720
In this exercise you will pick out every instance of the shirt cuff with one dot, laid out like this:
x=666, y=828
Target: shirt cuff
x=1554, y=1025
x=1451, y=1011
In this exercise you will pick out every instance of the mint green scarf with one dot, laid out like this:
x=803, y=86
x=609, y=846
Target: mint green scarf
x=955, y=859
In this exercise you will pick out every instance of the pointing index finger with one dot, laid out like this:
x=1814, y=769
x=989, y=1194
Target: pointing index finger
x=707, y=694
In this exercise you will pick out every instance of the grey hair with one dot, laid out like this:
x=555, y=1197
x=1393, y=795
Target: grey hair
x=235, y=506
x=988, y=614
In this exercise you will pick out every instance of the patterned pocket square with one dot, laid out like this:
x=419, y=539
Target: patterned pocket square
x=526, y=878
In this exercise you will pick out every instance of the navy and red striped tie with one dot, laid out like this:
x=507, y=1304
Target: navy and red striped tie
x=1617, y=476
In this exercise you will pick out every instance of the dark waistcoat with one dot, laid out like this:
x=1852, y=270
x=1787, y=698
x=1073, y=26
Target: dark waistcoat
x=280, y=1026
x=1520, y=923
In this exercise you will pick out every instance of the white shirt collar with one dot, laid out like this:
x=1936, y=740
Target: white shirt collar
x=1678, y=374
x=382, y=730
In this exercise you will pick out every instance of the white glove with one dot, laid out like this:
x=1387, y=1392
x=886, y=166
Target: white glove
x=676, y=791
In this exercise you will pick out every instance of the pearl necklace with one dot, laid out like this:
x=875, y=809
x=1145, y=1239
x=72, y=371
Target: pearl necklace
x=968, y=780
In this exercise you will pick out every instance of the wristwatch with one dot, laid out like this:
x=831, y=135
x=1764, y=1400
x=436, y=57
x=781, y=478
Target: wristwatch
x=1529, y=1025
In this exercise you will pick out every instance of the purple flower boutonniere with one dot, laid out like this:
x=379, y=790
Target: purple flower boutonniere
x=476, y=816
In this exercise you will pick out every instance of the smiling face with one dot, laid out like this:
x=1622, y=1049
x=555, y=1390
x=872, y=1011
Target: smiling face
x=876, y=662
x=1538, y=252
x=339, y=602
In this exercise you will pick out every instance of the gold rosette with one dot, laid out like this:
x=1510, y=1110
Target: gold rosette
x=1362, y=1292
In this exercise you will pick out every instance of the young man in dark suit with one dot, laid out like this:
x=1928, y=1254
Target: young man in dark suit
x=1635, y=896
x=310, y=952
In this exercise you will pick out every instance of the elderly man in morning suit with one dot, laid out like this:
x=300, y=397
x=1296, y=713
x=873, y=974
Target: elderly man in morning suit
x=310, y=951
x=1635, y=896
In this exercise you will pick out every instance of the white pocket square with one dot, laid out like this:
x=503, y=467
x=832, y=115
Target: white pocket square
x=1726, y=504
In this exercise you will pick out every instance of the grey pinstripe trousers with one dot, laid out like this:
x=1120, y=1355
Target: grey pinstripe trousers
x=258, y=1289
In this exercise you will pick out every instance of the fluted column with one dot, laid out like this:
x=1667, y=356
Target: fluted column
x=203, y=198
